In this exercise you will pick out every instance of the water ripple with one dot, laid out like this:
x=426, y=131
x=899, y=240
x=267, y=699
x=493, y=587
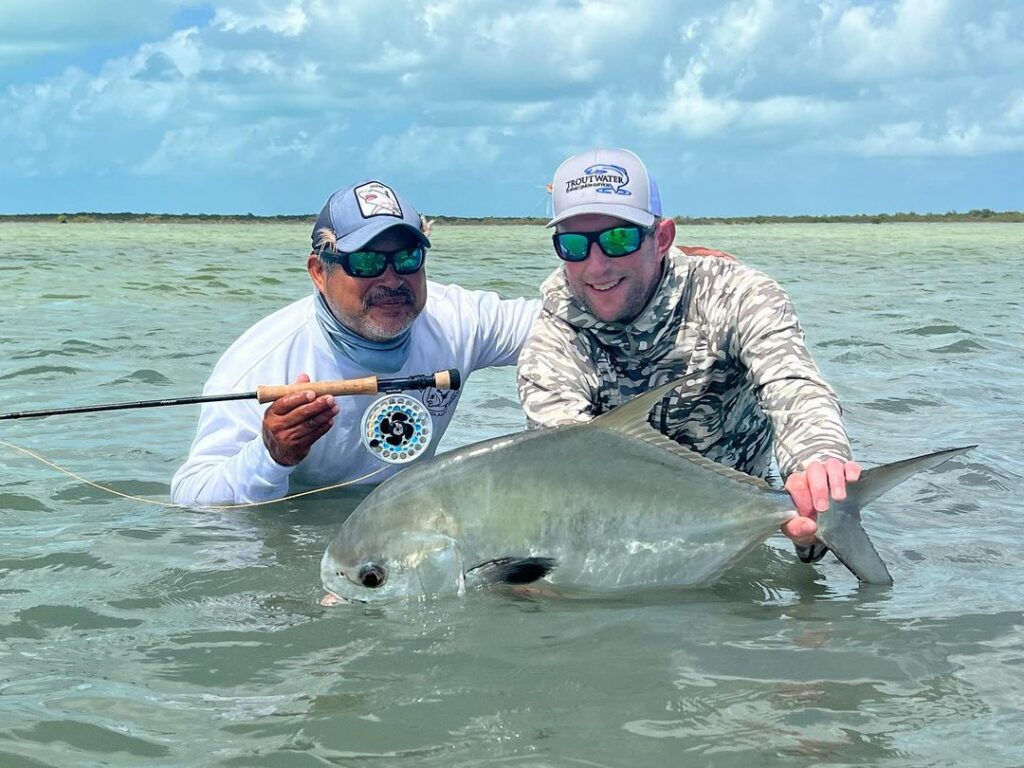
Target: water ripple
x=41, y=370
x=141, y=376
x=899, y=404
x=960, y=347
x=935, y=329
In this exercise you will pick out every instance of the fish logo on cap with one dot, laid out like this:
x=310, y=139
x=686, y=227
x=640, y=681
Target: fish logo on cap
x=376, y=199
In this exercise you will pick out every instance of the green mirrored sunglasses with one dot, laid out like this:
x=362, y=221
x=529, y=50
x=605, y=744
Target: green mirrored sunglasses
x=613, y=242
x=373, y=263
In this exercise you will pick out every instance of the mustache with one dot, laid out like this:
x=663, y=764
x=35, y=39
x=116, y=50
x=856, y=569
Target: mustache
x=387, y=294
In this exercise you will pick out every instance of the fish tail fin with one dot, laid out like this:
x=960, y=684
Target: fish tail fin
x=840, y=528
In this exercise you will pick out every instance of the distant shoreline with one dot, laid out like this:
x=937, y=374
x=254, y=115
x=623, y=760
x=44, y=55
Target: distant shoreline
x=977, y=215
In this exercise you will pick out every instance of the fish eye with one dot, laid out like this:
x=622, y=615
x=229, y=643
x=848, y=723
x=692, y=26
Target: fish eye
x=372, y=575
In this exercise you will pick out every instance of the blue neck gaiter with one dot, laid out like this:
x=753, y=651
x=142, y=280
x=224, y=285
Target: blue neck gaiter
x=373, y=356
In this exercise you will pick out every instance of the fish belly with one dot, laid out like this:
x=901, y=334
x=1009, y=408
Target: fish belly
x=614, y=512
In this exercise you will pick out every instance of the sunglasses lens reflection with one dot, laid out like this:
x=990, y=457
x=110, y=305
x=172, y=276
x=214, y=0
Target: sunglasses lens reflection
x=619, y=241
x=573, y=247
x=367, y=263
x=408, y=261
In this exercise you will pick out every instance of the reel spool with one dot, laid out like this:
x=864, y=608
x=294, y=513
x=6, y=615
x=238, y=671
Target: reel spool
x=396, y=428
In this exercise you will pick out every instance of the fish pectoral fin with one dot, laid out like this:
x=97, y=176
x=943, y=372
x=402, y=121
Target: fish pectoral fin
x=512, y=570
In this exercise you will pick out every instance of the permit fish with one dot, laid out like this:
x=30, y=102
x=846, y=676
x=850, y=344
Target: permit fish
x=608, y=505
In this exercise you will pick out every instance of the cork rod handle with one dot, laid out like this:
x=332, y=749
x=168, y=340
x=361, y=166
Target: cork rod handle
x=341, y=387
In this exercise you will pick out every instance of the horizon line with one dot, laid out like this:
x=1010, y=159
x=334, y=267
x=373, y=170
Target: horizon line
x=975, y=214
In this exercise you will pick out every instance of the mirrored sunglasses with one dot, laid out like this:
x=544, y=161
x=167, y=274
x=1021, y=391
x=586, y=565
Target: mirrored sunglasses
x=374, y=263
x=613, y=242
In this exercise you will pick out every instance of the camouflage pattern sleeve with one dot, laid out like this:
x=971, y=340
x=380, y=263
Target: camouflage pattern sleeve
x=556, y=377
x=805, y=413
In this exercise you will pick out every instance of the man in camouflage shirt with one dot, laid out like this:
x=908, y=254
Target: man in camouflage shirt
x=627, y=313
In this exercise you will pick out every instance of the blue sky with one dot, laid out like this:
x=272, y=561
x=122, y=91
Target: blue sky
x=467, y=106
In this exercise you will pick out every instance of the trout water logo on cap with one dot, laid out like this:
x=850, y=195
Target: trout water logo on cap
x=358, y=213
x=613, y=182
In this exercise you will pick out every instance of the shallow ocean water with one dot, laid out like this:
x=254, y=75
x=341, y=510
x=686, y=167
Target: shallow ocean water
x=132, y=634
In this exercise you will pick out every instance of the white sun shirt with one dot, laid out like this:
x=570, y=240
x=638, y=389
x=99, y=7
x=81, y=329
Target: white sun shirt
x=229, y=463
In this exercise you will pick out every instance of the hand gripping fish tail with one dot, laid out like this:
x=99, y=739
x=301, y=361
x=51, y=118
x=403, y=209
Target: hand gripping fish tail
x=840, y=528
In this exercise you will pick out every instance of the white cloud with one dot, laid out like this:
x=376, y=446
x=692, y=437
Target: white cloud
x=869, y=42
x=743, y=28
x=793, y=74
x=423, y=150
x=27, y=49
x=255, y=150
x=689, y=110
x=807, y=114
x=391, y=60
x=875, y=41
x=33, y=28
x=1015, y=113
x=290, y=21
x=914, y=140
x=415, y=87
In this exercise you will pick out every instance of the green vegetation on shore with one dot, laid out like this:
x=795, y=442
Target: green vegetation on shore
x=978, y=214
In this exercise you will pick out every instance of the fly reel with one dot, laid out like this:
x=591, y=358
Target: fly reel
x=396, y=428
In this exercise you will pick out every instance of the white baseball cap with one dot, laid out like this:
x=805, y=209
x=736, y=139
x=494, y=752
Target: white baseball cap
x=614, y=182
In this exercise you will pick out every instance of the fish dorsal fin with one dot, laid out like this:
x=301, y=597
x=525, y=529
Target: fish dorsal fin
x=631, y=419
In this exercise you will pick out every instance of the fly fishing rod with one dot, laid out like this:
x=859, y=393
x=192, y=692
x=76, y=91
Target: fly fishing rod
x=369, y=385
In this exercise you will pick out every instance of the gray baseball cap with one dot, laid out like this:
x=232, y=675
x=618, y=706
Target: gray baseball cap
x=614, y=182
x=360, y=212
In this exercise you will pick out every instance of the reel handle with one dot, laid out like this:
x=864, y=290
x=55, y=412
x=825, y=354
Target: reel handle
x=369, y=385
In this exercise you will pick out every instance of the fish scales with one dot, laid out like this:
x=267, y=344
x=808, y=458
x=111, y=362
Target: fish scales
x=610, y=504
x=649, y=516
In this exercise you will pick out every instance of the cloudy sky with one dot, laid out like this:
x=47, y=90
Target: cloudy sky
x=467, y=106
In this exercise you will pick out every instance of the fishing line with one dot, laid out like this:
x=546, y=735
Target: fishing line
x=172, y=505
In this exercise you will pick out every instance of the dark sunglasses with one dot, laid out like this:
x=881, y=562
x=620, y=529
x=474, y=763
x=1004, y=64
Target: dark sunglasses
x=613, y=242
x=407, y=261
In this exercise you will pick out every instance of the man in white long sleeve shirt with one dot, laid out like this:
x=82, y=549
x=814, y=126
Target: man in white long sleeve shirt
x=372, y=312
